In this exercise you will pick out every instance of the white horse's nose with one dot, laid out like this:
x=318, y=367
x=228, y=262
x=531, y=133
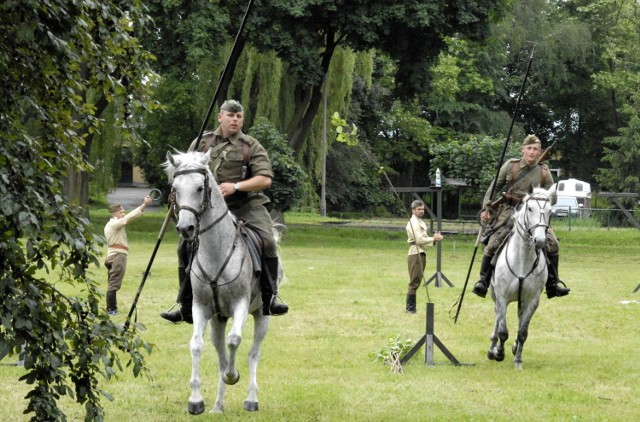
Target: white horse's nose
x=185, y=226
x=186, y=232
x=540, y=237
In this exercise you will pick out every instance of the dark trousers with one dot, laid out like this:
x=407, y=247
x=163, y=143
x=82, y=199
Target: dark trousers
x=416, y=264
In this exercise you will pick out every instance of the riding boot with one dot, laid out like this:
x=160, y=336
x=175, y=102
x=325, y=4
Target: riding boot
x=269, y=288
x=552, y=280
x=411, y=304
x=486, y=271
x=112, y=302
x=185, y=299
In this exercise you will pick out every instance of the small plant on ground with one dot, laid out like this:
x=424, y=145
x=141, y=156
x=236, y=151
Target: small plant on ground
x=392, y=352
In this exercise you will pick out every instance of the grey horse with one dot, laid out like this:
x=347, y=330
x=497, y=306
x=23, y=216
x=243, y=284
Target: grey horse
x=521, y=272
x=224, y=280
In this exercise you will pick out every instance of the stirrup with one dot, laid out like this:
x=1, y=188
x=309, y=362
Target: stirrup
x=480, y=289
x=555, y=290
x=276, y=308
x=177, y=316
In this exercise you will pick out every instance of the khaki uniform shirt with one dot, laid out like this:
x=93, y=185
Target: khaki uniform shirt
x=417, y=236
x=115, y=233
x=226, y=165
x=533, y=177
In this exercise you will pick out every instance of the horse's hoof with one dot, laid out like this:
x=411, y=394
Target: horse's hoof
x=196, y=408
x=500, y=357
x=232, y=380
x=251, y=406
x=490, y=356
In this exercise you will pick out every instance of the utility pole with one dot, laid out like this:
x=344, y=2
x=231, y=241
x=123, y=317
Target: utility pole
x=323, y=183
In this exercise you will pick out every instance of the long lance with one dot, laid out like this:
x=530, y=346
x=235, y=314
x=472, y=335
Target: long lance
x=163, y=229
x=224, y=71
x=493, y=184
x=202, y=128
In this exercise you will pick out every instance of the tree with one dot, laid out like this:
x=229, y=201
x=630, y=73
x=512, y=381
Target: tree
x=57, y=59
x=616, y=26
x=622, y=154
x=306, y=37
x=287, y=188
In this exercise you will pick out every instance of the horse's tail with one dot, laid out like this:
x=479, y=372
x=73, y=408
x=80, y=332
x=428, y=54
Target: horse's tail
x=278, y=229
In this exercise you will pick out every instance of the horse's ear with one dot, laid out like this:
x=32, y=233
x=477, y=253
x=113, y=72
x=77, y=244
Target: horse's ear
x=553, y=193
x=171, y=159
x=207, y=157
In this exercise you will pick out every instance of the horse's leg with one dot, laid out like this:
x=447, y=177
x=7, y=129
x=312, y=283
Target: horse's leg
x=231, y=374
x=500, y=331
x=261, y=325
x=196, y=402
x=494, y=340
x=524, y=318
x=217, y=338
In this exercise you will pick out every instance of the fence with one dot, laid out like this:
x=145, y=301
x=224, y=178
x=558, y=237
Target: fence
x=596, y=219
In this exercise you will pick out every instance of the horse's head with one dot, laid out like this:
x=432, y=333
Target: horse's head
x=532, y=220
x=192, y=184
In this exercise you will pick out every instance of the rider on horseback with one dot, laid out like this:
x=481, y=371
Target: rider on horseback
x=242, y=169
x=516, y=178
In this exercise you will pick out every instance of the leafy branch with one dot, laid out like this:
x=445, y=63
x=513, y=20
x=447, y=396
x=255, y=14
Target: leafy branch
x=392, y=352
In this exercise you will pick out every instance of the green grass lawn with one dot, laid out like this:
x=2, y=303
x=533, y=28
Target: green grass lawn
x=346, y=290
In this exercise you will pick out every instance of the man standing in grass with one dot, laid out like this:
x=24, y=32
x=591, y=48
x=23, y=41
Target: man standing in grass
x=418, y=239
x=118, y=249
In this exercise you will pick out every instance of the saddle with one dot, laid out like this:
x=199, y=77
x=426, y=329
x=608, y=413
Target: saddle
x=254, y=242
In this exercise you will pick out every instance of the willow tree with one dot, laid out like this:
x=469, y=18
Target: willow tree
x=306, y=36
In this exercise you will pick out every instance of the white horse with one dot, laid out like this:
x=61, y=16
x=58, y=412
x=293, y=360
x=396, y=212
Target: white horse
x=521, y=272
x=224, y=282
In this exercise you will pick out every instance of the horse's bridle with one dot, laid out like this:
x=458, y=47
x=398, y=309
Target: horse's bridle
x=526, y=230
x=205, y=203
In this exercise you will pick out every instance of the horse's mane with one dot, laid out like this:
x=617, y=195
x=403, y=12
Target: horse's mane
x=185, y=160
x=538, y=192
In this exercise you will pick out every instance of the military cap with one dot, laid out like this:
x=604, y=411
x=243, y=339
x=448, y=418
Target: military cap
x=232, y=106
x=531, y=139
x=115, y=208
x=417, y=203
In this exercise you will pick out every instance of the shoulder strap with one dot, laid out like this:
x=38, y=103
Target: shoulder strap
x=209, y=143
x=543, y=175
x=245, y=159
x=514, y=180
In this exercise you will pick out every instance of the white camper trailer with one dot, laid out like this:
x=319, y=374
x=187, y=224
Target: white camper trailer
x=577, y=189
x=574, y=195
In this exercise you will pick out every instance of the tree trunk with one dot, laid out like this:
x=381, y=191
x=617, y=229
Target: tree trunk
x=310, y=101
x=228, y=72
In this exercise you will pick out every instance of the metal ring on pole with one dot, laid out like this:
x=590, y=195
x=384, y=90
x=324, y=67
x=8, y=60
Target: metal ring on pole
x=155, y=194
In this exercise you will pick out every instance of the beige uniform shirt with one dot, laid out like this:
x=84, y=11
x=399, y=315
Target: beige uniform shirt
x=115, y=233
x=418, y=236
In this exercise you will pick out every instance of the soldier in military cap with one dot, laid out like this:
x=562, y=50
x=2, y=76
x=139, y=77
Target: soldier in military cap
x=517, y=177
x=243, y=170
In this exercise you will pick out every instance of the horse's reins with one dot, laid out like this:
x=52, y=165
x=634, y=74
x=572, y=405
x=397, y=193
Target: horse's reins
x=213, y=282
x=529, y=240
